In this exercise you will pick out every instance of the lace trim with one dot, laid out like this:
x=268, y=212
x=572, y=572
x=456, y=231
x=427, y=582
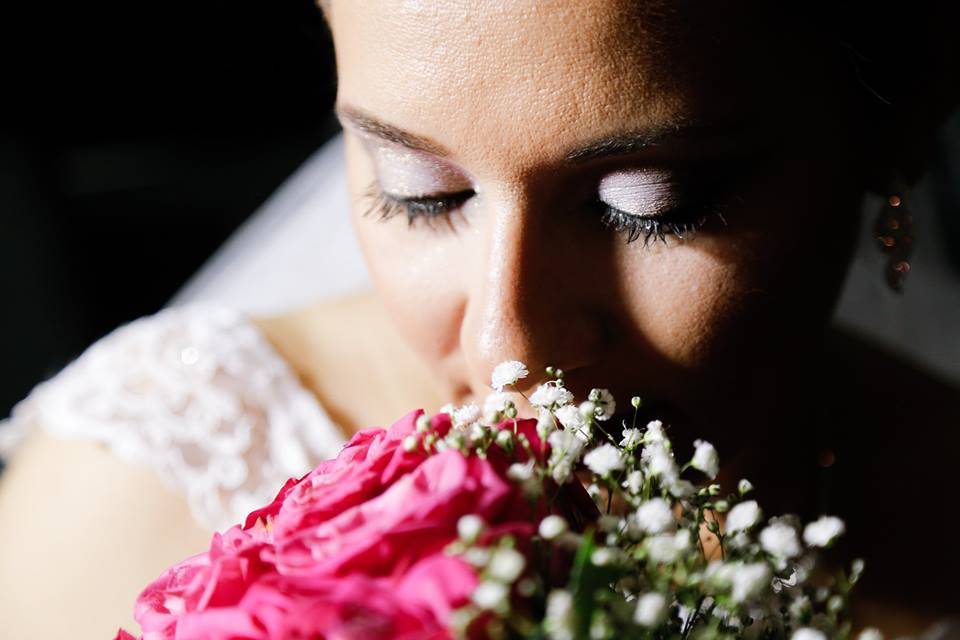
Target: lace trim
x=196, y=393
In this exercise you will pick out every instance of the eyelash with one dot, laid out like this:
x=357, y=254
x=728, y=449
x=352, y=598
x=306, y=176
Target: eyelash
x=427, y=210
x=681, y=222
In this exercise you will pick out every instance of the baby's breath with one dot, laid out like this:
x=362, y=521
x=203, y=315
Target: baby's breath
x=507, y=373
x=669, y=556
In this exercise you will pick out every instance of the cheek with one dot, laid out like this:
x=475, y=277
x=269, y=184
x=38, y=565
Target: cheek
x=415, y=276
x=677, y=299
x=704, y=304
x=418, y=293
x=755, y=290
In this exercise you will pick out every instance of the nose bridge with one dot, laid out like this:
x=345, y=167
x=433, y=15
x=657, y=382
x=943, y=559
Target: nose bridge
x=503, y=291
x=511, y=312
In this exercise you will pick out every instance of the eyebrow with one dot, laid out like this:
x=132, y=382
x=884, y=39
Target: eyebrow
x=368, y=123
x=624, y=144
x=620, y=144
x=702, y=133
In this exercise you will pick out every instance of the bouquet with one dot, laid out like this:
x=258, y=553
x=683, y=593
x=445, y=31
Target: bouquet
x=477, y=523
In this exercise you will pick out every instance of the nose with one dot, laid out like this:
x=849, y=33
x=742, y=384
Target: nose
x=530, y=297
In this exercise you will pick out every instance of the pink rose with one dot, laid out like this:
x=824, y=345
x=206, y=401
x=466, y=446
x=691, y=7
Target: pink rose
x=354, y=549
x=364, y=467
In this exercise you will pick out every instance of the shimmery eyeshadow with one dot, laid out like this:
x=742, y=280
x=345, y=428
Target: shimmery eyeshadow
x=639, y=192
x=405, y=173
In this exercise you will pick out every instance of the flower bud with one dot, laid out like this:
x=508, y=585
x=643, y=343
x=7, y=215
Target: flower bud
x=744, y=487
x=469, y=528
x=824, y=531
x=835, y=604
x=477, y=556
x=423, y=423
x=505, y=440
x=636, y=402
x=477, y=433
x=520, y=472
x=553, y=527
x=603, y=557
x=651, y=611
x=587, y=409
x=456, y=440
x=856, y=570
x=546, y=422
x=410, y=443
x=506, y=565
x=493, y=596
x=705, y=459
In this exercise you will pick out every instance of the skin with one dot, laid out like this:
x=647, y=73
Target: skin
x=723, y=335
x=715, y=331
x=506, y=278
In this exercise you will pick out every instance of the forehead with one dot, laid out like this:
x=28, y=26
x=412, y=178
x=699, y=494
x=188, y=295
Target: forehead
x=500, y=80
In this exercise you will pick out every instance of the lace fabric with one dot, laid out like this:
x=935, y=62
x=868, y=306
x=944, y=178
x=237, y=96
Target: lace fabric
x=195, y=393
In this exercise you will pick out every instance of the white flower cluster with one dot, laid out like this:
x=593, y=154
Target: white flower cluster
x=507, y=373
x=666, y=558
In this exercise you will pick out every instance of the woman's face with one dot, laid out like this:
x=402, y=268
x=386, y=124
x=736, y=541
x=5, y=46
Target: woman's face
x=501, y=155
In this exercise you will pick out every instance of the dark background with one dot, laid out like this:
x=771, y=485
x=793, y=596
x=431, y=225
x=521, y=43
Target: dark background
x=137, y=137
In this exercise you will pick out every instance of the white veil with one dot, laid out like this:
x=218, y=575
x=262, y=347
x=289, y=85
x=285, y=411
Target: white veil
x=300, y=247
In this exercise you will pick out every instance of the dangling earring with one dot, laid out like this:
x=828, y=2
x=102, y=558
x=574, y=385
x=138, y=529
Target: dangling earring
x=894, y=232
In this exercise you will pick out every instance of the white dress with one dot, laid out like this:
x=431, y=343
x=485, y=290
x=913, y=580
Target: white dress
x=195, y=393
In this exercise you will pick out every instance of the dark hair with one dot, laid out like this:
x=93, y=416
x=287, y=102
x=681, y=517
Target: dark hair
x=906, y=63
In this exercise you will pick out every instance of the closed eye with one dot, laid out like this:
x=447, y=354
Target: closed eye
x=427, y=209
x=682, y=222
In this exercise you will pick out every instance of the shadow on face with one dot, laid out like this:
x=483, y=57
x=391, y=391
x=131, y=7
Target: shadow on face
x=654, y=193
